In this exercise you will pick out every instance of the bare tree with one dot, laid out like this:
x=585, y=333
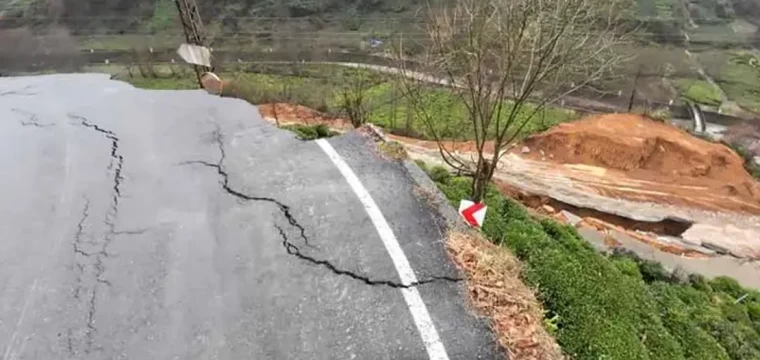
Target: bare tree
x=284, y=95
x=506, y=61
x=354, y=96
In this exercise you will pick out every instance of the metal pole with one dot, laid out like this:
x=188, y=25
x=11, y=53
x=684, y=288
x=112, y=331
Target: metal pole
x=193, y=29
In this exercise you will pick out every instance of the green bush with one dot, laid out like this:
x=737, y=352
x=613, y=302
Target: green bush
x=700, y=91
x=422, y=165
x=440, y=174
x=602, y=312
x=696, y=342
x=627, y=266
x=310, y=132
x=620, y=306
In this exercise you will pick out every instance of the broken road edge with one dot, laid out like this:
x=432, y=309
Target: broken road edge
x=517, y=328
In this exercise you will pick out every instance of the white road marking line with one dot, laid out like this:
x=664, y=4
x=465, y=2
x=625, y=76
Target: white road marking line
x=425, y=326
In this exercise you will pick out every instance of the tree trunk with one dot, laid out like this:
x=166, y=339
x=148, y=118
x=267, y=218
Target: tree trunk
x=480, y=180
x=274, y=112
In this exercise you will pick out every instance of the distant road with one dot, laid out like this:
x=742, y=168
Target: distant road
x=583, y=104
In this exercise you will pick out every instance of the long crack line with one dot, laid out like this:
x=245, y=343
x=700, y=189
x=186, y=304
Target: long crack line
x=291, y=248
x=77, y=241
x=116, y=166
x=219, y=167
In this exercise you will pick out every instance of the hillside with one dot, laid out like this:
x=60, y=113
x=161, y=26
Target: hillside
x=135, y=15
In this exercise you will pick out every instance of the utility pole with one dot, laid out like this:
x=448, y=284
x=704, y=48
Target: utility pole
x=193, y=28
x=633, y=91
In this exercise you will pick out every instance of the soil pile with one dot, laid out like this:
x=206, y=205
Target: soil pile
x=291, y=113
x=646, y=149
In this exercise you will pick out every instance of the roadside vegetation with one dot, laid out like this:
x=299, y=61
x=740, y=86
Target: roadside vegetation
x=741, y=79
x=310, y=132
x=616, y=306
x=749, y=161
x=325, y=29
x=323, y=88
x=700, y=92
x=502, y=64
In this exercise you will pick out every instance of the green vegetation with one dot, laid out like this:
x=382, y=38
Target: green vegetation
x=740, y=79
x=646, y=8
x=719, y=33
x=438, y=173
x=700, y=91
x=749, y=163
x=318, y=87
x=394, y=113
x=618, y=306
x=310, y=132
x=164, y=15
x=173, y=83
x=661, y=9
x=394, y=150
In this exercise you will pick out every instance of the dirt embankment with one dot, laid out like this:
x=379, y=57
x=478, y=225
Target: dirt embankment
x=650, y=155
x=626, y=166
x=647, y=150
x=290, y=114
x=618, y=156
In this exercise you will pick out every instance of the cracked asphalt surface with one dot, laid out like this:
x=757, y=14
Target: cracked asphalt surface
x=177, y=225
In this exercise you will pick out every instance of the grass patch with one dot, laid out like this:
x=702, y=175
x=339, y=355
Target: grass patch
x=168, y=83
x=310, y=132
x=619, y=307
x=397, y=115
x=394, y=150
x=438, y=173
x=161, y=41
x=646, y=8
x=318, y=86
x=740, y=79
x=719, y=33
x=749, y=162
x=700, y=91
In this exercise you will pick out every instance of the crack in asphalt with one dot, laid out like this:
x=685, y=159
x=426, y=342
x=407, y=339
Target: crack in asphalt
x=294, y=251
x=33, y=119
x=284, y=209
x=77, y=241
x=291, y=248
x=115, y=168
x=19, y=92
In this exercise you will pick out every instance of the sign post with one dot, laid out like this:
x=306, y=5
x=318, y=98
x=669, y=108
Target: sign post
x=474, y=214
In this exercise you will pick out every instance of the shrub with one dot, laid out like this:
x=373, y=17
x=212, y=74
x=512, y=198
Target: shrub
x=602, y=312
x=440, y=174
x=696, y=342
x=394, y=150
x=310, y=132
x=728, y=286
x=620, y=306
x=700, y=91
x=323, y=131
x=422, y=165
x=627, y=266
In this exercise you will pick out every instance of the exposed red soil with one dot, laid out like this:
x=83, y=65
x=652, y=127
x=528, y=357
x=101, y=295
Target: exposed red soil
x=290, y=113
x=646, y=150
x=617, y=155
x=452, y=146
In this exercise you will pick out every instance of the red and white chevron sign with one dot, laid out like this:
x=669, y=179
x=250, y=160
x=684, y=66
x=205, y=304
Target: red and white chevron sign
x=473, y=213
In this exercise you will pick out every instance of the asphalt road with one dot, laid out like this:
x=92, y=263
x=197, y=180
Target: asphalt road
x=176, y=225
